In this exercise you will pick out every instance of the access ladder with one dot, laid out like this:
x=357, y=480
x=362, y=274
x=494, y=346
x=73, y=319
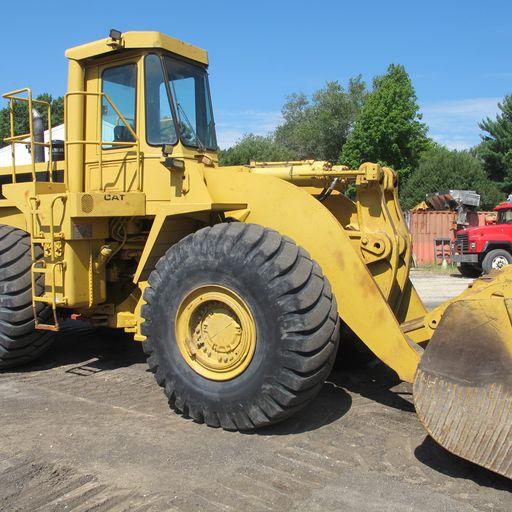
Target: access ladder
x=51, y=244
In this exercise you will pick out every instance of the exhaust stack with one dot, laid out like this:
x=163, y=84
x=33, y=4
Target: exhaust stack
x=38, y=127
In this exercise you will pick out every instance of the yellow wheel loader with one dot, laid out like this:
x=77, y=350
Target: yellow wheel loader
x=235, y=279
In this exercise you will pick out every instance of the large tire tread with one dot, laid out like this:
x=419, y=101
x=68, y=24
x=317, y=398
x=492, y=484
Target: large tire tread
x=20, y=343
x=310, y=323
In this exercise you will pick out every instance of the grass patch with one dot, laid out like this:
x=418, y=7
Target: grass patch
x=437, y=269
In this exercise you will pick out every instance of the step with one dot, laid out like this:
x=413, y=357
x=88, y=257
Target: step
x=47, y=327
x=45, y=270
x=57, y=237
x=48, y=300
x=41, y=270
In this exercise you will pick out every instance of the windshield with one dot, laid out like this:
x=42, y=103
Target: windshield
x=504, y=217
x=189, y=116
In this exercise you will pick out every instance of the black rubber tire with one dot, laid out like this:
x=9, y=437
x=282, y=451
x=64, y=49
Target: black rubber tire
x=491, y=255
x=296, y=318
x=20, y=343
x=470, y=270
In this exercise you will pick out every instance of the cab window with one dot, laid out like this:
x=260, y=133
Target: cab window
x=191, y=96
x=160, y=126
x=178, y=104
x=119, y=84
x=505, y=217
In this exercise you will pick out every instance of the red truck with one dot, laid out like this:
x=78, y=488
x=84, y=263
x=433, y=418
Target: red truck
x=484, y=248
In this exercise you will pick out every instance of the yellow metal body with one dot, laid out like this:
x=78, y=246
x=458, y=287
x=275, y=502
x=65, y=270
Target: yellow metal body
x=463, y=384
x=116, y=211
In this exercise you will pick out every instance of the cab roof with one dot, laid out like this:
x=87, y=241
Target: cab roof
x=138, y=40
x=503, y=206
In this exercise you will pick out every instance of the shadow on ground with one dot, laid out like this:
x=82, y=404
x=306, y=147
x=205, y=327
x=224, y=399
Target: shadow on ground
x=373, y=381
x=377, y=383
x=93, y=350
x=435, y=456
x=331, y=403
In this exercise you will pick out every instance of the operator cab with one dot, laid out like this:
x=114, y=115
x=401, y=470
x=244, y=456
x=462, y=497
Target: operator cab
x=177, y=102
x=151, y=94
x=158, y=84
x=129, y=96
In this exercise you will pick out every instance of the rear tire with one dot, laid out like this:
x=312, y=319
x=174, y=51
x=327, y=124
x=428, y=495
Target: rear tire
x=470, y=270
x=295, y=319
x=496, y=260
x=20, y=343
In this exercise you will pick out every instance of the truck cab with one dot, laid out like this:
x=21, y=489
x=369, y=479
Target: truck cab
x=485, y=248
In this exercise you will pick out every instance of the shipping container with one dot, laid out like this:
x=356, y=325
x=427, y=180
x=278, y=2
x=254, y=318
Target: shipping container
x=432, y=232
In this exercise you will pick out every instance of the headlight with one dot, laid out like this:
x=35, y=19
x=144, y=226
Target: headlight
x=472, y=245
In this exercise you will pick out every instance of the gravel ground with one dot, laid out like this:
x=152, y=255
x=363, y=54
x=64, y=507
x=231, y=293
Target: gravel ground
x=434, y=288
x=86, y=428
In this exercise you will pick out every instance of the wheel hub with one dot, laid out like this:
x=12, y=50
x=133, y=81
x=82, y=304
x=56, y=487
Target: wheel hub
x=499, y=262
x=215, y=332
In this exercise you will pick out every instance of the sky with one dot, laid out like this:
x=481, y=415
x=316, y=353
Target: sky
x=458, y=53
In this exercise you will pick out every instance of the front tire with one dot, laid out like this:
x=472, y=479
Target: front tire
x=207, y=289
x=496, y=260
x=20, y=342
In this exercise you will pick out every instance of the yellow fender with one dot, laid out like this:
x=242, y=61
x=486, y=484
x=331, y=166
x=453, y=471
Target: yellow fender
x=293, y=212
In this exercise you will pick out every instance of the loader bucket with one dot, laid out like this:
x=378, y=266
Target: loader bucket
x=463, y=384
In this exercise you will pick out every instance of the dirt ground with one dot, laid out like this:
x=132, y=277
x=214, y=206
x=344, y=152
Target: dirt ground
x=87, y=429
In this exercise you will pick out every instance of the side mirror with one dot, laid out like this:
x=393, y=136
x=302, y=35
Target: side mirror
x=167, y=149
x=173, y=164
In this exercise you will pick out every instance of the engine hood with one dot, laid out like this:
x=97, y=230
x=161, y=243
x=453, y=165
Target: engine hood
x=487, y=231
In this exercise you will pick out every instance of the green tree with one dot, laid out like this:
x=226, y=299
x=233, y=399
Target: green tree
x=254, y=147
x=315, y=128
x=319, y=127
x=440, y=170
x=389, y=128
x=496, y=146
x=21, y=120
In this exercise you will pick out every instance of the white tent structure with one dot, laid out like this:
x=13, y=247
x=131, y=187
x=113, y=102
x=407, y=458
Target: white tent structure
x=22, y=151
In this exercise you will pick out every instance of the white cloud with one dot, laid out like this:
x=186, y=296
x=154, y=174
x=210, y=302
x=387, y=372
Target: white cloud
x=452, y=123
x=232, y=125
x=455, y=123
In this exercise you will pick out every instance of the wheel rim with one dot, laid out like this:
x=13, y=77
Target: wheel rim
x=216, y=333
x=499, y=262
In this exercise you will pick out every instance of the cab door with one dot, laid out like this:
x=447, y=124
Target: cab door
x=113, y=161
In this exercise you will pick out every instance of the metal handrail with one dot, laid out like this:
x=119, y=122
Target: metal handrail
x=51, y=296
x=100, y=143
x=13, y=96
